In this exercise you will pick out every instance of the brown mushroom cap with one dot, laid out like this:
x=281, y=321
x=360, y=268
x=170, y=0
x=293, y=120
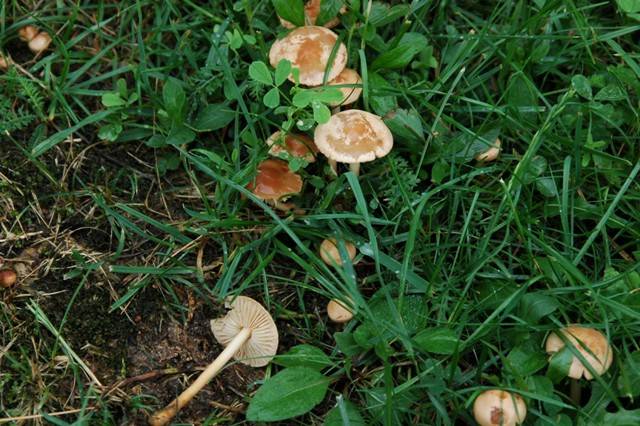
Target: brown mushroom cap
x=591, y=344
x=275, y=180
x=354, y=136
x=330, y=253
x=338, y=312
x=296, y=145
x=309, y=49
x=247, y=313
x=490, y=154
x=349, y=94
x=40, y=43
x=8, y=277
x=27, y=33
x=4, y=61
x=499, y=408
x=311, y=12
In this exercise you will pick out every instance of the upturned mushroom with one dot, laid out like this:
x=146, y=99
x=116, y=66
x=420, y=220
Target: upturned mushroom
x=309, y=50
x=338, y=312
x=8, y=278
x=249, y=335
x=275, y=182
x=353, y=137
x=296, y=145
x=590, y=343
x=499, y=408
x=490, y=154
x=349, y=83
x=40, y=43
x=311, y=12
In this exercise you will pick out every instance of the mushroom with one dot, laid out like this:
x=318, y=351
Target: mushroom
x=8, y=277
x=499, y=408
x=338, y=312
x=591, y=344
x=250, y=336
x=40, y=43
x=5, y=61
x=353, y=137
x=311, y=12
x=309, y=49
x=28, y=33
x=351, y=93
x=490, y=154
x=296, y=145
x=330, y=253
x=275, y=182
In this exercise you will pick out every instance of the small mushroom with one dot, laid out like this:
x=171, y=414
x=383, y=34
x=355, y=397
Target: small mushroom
x=28, y=33
x=40, y=43
x=499, y=408
x=330, y=253
x=248, y=334
x=309, y=49
x=351, y=92
x=353, y=137
x=274, y=182
x=311, y=12
x=296, y=145
x=591, y=344
x=5, y=61
x=490, y=154
x=8, y=278
x=338, y=312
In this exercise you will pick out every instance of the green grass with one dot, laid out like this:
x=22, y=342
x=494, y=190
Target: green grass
x=126, y=148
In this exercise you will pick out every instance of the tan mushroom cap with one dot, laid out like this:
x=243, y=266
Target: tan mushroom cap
x=247, y=313
x=354, y=136
x=499, y=408
x=275, y=181
x=296, y=145
x=490, y=154
x=27, y=33
x=599, y=354
x=338, y=312
x=4, y=61
x=40, y=43
x=349, y=94
x=8, y=277
x=309, y=49
x=330, y=253
x=311, y=12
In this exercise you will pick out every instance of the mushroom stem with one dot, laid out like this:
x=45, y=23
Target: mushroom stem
x=355, y=168
x=282, y=206
x=334, y=166
x=576, y=391
x=164, y=416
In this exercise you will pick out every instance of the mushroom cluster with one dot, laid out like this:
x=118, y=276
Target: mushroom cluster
x=38, y=41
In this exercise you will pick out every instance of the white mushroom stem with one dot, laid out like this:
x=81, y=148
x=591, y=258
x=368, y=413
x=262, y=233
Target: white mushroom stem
x=164, y=416
x=355, y=168
x=334, y=166
x=282, y=206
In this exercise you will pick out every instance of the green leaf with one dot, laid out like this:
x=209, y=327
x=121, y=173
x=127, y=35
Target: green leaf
x=156, y=141
x=525, y=360
x=259, y=71
x=321, y=112
x=302, y=98
x=180, y=135
x=437, y=340
x=582, y=86
x=174, y=99
x=547, y=187
x=610, y=92
x=405, y=124
x=290, y=393
x=110, y=132
x=290, y=10
x=346, y=343
x=400, y=56
x=283, y=69
x=272, y=98
x=559, y=364
x=329, y=9
x=629, y=379
x=622, y=418
x=304, y=356
x=213, y=117
x=112, y=100
x=534, y=306
x=328, y=95
x=343, y=414
x=629, y=6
